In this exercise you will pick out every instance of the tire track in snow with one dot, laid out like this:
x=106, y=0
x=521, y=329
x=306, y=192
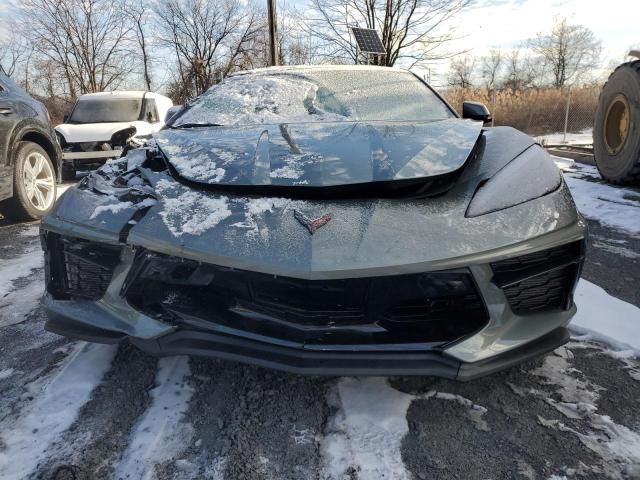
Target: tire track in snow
x=160, y=435
x=57, y=400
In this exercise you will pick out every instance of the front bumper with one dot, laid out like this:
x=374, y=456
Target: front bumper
x=507, y=338
x=71, y=322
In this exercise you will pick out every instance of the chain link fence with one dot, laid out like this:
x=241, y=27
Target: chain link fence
x=553, y=116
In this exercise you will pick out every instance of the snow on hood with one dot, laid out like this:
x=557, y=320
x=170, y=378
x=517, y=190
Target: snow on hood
x=319, y=154
x=100, y=132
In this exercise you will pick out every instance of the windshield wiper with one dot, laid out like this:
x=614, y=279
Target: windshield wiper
x=196, y=125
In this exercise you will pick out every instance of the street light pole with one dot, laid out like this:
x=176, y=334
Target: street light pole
x=273, y=34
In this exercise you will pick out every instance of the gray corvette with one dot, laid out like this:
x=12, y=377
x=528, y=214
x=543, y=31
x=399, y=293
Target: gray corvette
x=322, y=220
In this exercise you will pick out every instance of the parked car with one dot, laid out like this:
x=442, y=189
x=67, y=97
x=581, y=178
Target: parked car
x=322, y=220
x=101, y=125
x=29, y=155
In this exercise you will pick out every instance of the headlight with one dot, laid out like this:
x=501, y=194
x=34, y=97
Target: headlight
x=530, y=175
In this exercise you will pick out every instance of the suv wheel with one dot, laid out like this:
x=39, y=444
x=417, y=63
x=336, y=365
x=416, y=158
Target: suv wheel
x=34, y=183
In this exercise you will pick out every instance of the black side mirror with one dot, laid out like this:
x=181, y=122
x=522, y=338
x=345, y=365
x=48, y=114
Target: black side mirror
x=65, y=118
x=171, y=112
x=476, y=111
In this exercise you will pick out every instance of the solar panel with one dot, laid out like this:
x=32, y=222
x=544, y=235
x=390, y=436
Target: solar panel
x=368, y=40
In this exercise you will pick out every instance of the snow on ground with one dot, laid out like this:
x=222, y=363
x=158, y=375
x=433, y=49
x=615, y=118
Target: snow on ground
x=583, y=138
x=614, y=207
x=20, y=267
x=606, y=318
x=161, y=434
x=56, y=401
x=19, y=290
x=576, y=398
x=366, y=432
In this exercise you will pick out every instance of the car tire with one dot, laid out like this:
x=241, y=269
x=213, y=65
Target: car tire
x=68, y=172
x=616, y=133
x=34, y=183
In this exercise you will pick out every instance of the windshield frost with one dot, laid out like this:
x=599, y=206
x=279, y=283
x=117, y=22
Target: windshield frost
x=316, y=96
x=101, y=110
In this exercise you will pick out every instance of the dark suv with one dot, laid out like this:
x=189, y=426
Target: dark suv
x=29, y=155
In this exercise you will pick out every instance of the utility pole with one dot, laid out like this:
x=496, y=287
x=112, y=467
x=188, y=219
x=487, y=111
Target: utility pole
x=273, y=34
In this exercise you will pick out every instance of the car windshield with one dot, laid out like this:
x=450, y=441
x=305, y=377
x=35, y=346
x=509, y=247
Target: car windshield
x=316, y=95
x=106, y=109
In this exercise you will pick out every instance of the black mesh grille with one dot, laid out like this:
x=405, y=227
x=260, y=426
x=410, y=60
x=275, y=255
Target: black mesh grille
x=540, y=281
x=415, y=308
x=79, y=268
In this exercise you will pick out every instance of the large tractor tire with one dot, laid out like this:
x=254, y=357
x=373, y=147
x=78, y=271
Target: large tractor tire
x=616, y=134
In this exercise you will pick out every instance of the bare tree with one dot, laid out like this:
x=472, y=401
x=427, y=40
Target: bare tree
x=210, y=38
x=87, y=41
x=140, y=15
x=570, y=52
x=410, y=29
x=461, y=72
x=523, y=70
x=492, y=66
x=15, y=59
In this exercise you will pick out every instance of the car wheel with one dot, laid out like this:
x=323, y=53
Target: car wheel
x=34, y=183
x=616, y=143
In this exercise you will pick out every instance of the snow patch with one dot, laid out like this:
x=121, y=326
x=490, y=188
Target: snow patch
x=6, y=373
x=614, y=207
x=16, y=302
x=186, y=211
x=161, y=434
x=111, y=208
x=366, y=432
x=254, y=211
x=192, y=164
x=606, y=318
x=293, y=165
x=57, y=402
x=585, y=137
x=577, y=399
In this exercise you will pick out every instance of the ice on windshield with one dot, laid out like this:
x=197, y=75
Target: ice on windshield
x=316, y=95
x=247, y=100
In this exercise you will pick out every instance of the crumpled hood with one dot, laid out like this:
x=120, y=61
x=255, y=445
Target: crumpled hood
x=99, y=132
x=319, y=154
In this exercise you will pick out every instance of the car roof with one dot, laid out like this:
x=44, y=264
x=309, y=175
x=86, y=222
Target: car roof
x=329, y=68
x=123, y=94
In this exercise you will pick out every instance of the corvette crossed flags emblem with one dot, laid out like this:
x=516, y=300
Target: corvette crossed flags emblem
x=312, y=224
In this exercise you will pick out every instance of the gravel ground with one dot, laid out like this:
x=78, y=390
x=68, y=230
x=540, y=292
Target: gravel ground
x=573, y=414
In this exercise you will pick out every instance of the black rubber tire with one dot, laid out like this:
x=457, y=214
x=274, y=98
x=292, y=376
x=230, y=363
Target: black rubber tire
x=18, y=207
x=622, y=167
x=68, y=173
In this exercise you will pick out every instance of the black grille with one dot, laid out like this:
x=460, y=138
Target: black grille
x=417, y=308
x=541, y=281
x=79, y=268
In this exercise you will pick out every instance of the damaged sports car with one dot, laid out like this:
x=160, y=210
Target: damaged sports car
x=322, y=220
